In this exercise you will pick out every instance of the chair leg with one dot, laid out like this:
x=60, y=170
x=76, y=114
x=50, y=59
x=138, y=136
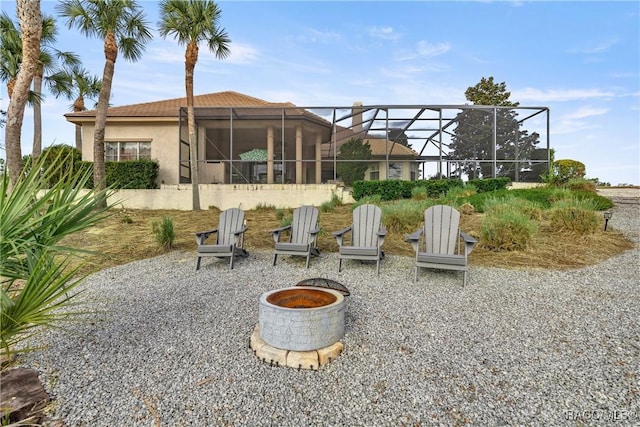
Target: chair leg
x=378, y=266
x=464, y=279
x=198, y=264
x=275, y=256
x=308, y=256
x=231, y=261
x=416, y=275
x=339, y=265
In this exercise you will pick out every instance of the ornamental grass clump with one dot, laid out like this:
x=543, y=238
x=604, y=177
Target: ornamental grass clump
x=164, y=232
x=508, y=224
x=575, y=215
x=404, y=216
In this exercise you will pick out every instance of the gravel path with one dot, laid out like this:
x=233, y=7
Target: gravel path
x=170, y=346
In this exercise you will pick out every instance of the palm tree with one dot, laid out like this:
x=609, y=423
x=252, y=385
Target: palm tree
x=49, y=58
x=31, y=29
x=77, y=84
x=190, y=22
x=11, y=54
x=122, y=26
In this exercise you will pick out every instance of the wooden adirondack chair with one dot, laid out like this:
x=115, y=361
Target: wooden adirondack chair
x=367, y=236
x=229, y=238
x=303, y=234
x=441, y=237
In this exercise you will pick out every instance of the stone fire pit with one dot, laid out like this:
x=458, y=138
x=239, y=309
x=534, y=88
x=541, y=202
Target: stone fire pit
x=300, y=327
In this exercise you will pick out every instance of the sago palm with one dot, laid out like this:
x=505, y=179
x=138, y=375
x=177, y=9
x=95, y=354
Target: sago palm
x=191, y=22
x=35, y=279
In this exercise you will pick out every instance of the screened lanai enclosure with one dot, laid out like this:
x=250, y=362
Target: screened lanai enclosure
x=304, y=145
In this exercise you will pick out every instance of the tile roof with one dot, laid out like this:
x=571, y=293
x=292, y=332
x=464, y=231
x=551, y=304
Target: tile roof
x=170, y=107
x=379, y=148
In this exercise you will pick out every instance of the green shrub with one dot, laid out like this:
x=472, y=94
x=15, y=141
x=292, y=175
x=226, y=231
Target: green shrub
x=565, y=169
x=134, y=174
x=575, y=215
x=486, y=185
x=164, y=232
x=286, y=220
x=331, y=204
x=280, y=213
x=507, y=230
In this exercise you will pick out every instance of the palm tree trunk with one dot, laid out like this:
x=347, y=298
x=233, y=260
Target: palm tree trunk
x=37, y=114
x=78, y=105
x=31, y=29
x=110, y=53
x=191, y=58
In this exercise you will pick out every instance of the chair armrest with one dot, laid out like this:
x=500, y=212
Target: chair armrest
x=277, y=231
x=315, y=230
x=339, y=235
x=382, y=232
x=414, y=239
x=342, y=232
x=242, y=230
x=201, y=236
x=469, y=242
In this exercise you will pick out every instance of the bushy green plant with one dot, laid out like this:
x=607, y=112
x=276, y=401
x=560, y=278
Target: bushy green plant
x=575, y=215
x=507, y=230
x=566, y=169
x=164, y=232
x=374, y=200
x=134, y=174
x=35, y=277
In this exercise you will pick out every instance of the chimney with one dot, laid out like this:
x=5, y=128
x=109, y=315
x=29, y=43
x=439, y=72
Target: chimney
x=356, y=117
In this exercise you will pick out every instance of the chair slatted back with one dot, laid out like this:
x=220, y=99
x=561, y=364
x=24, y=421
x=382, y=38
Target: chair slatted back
x=305, y=219
x=367, y=219
x=231, y=220
x=441, y=229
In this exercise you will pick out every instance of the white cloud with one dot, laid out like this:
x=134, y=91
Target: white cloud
x=559, y=95
x=585, y=112
x=429, y=49
x=384, y=33
x=598, y=47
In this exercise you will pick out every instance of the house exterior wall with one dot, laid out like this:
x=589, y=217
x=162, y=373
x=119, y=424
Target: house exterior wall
x=162, y=135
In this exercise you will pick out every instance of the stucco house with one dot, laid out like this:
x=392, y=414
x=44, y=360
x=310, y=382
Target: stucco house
x=241, y=139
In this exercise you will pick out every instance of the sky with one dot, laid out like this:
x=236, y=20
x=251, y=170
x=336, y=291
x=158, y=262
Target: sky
x=581, y=59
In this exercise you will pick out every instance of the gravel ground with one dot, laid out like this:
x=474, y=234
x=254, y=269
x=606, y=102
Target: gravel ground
x=170, y=346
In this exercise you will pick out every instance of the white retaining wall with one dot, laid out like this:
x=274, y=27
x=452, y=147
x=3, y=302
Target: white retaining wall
x=224, y=196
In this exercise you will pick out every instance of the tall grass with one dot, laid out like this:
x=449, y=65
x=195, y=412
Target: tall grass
x=575, y=215
x=405, y=216
x=507, y=230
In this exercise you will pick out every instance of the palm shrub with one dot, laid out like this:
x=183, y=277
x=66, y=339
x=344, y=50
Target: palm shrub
x=575, y=215
x=164, y=232
x=35, y=278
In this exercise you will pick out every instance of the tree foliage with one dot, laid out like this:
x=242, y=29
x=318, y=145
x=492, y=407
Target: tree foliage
x=348, y=169
x=473, y=139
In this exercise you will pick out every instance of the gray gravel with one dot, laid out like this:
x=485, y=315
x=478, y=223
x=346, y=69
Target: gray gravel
x=511, y=348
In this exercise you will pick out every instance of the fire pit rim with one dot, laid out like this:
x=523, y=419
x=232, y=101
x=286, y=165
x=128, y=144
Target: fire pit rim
x=338, y=295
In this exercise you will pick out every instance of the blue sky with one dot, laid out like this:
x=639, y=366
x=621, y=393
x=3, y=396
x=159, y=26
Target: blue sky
x=580, y=59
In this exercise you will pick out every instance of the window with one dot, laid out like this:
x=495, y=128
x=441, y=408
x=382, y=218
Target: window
x=123, y=151
x=395, y=171
x=414, y=172
x=374, y=172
